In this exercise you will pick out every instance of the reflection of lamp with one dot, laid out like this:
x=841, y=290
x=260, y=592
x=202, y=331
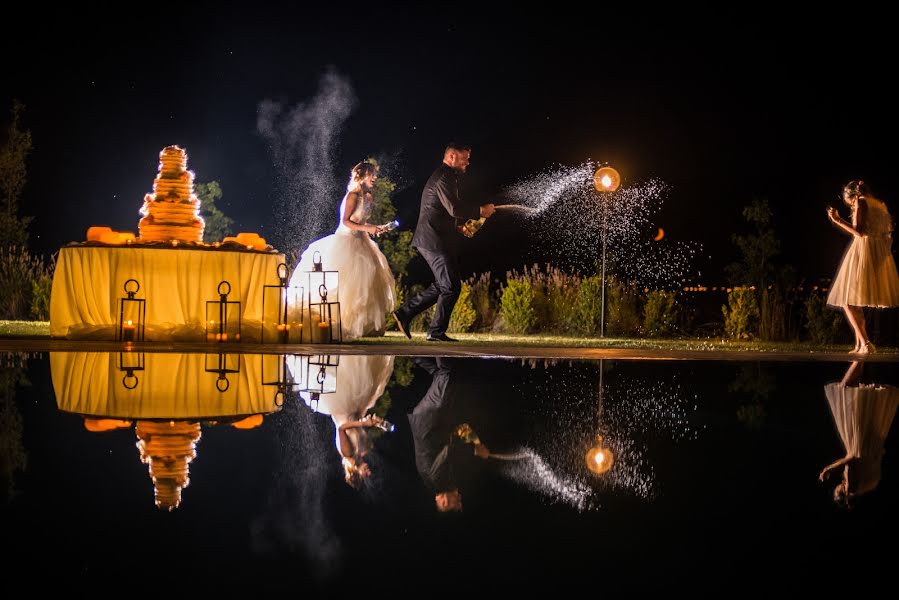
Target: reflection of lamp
x=128, y=363
x=277, y=300
x=223, y=317
x=605, y=180
x=222, y=364
x=599, y=459
x=132, y=315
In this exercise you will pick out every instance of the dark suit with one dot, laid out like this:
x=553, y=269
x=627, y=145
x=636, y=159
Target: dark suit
x=432, y=423
x=436, y=239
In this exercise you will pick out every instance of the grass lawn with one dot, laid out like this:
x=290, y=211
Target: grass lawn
x=41, y=329
x=25, y=329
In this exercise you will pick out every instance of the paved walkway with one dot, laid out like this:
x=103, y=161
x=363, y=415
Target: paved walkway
x=440, y=349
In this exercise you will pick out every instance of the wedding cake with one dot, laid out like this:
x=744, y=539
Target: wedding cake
x=172, y=211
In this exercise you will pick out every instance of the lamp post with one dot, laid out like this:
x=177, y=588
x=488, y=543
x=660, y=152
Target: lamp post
x=605, y=179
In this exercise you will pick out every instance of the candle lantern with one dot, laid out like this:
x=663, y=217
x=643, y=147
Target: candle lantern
x=322, y=287
x=274, y=309
x=324, y=317
x=223, y=317
x=132, y=314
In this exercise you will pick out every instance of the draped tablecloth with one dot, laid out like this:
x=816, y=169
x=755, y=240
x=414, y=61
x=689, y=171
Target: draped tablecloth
x=176, y=283
x=170, y=386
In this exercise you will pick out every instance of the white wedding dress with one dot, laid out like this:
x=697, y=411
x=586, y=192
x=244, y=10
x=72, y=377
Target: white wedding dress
x=867, y=275
x=365, y=283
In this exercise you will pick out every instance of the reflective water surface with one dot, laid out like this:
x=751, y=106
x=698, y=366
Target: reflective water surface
x=336, y=475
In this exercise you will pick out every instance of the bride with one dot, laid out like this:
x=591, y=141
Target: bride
x=366, y=285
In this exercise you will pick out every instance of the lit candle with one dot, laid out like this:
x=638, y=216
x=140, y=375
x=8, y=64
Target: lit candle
x=128, y=330
x=324, y=329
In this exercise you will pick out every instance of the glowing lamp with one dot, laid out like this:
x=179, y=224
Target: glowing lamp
x=606, y=179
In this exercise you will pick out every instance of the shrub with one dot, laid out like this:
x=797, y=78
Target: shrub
x=517, y=306
x=660, y=313
x=741, y=314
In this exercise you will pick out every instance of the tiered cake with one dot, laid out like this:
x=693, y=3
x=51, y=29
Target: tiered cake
x=172, y=211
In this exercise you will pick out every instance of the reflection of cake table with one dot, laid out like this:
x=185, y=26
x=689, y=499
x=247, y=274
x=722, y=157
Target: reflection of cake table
x=165, y=400
x=177, y=272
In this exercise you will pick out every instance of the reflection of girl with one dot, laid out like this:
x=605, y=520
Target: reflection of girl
x=360, y=382
x=863, y=415
x=366, y=283
x=867, y=275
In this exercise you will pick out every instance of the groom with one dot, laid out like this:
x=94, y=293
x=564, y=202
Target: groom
x=436, y=239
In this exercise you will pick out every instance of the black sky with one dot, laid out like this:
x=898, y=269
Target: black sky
x=722, y=112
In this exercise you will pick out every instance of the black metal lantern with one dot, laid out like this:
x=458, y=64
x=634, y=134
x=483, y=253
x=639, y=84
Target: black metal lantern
x=132, y=315
x=321, y=283
x=296, y=314
x=223, y=317
x=222, y=364
x=128, y=363
x=274, y=301
x=324, y=317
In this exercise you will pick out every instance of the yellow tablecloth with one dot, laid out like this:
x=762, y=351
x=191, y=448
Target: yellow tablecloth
x=176, y=284
x=171, y=386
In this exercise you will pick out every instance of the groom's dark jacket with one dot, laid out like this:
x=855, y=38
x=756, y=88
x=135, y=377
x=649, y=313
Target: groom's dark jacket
x=442, y=208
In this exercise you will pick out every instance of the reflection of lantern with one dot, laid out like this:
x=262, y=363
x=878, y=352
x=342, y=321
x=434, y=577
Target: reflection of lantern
x=132, y=315
x=324, y=314
x=223, y=317
x=222, y=364
x=275, y=297
x=321, y=377
x=606, y=179
x=599, y=459
x=128, y=363
x=276, y=372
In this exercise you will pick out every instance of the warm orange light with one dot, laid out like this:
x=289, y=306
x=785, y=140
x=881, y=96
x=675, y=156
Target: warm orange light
x=606, y=179
x=248, y=423
x=599, y=460
x=659, y=235
x=104, y=424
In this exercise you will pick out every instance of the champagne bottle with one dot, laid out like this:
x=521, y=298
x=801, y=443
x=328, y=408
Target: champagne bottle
x=465, y=433
x=471, y=226
x=388, y=226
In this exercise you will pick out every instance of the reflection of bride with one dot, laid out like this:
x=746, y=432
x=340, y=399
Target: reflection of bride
x=366, y=285
x=863, y=415
x=361, y=380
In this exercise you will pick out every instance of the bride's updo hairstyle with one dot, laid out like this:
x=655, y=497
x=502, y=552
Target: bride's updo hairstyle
x=360, y=172
x=856, y=189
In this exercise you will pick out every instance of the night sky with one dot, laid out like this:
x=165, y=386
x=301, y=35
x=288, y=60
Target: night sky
x=721, y=113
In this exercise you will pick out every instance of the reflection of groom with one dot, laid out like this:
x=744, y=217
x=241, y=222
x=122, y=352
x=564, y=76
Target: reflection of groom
x=436, y=240
x=433, y=422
